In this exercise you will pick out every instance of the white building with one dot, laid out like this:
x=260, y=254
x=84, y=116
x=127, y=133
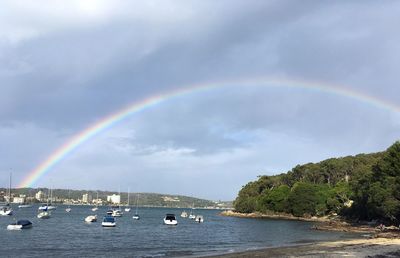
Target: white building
x=19, y=200
x=86, y=198
x=40, y=196
x=114, y=199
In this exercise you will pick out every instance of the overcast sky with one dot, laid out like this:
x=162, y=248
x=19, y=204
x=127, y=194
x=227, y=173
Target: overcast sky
x=65, y=65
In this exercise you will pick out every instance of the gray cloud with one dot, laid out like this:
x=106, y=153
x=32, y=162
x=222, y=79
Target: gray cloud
x=64, y=66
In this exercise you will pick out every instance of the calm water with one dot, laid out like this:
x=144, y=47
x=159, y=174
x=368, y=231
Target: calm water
x=66, y=234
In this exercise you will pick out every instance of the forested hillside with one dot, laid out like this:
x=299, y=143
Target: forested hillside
x=365, y=187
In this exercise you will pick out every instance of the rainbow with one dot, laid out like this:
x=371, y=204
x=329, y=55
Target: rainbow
x=80, y=138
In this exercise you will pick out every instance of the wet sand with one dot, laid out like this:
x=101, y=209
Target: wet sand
x=375, y=247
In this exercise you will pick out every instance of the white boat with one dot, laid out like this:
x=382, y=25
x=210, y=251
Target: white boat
x=136, y=216
x=116, y=213
x=91, y=218
x=191, y=215
x=170, y=219
x=97, y=199
x=20, y=224
x=127, y=208
x=108, y=221
x=6, y=210
x=68, y=209
x=25, y=206
x=199, y=219
x=184, y=214
x=46, y=207
x=44, y=215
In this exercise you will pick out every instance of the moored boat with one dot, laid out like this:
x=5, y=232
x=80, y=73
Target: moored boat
x=44, y=215
x=25, y=206
x=199, y=219
x=6, y=210
x=108, y=221
x=170, y=219
x=184, y=214
x=20, y=224
x=91, y=218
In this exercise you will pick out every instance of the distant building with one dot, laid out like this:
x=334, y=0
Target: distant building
x=40, y=196
x=19, y=200
x=115, y=198
x=86, y=198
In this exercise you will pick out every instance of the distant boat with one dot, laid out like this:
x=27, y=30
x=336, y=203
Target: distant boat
x=25, y=206
x=136, y=216
x=44, y=215
x=46, y=207
x=170, y=219
x=20, y=224
x=68, y=209
x=192, y=216
x=199, y=219
x=117, y=213
x=184, y=214
x=6, y=210
x=108, y=221
x=127, y=208
x=91, y=218
x=97, y=199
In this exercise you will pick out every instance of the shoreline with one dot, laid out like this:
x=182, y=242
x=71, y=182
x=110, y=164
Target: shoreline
x=321, y=223
x=376, y=244
x=375, y=247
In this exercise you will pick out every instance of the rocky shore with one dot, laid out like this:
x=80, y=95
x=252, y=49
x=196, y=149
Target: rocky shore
x=371, y=248
x=378, y=242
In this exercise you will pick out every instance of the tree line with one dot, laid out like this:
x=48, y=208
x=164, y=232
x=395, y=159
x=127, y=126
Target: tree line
x=361, y=187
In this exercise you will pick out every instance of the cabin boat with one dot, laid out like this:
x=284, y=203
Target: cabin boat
x=184, y=214
x=46, y=207
x=116, y=212
x=43, y=215
x=24, y=206
x=20, y=224
x=199, y=219
x=170, y=219
x=108, y=221
x=6, y=210
x=136, y=216
x=91, y=218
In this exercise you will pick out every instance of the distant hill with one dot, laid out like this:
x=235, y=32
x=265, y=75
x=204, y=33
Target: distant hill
x=145, y=199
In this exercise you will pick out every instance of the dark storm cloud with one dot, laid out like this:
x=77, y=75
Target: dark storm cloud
x=63, y=66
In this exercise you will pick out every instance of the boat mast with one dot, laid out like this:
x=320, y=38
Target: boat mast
x=9, y=189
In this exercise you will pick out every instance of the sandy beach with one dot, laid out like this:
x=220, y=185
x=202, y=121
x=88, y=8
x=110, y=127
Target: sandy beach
x=375, y=247
x=379, y=244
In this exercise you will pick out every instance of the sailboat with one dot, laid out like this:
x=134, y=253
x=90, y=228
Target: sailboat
x=6, y=210
x=47, y=207
x=68, y=209
x=97, y=200
x=43, y=210
x=127, y=208
x=192, y=216
x=136, y=216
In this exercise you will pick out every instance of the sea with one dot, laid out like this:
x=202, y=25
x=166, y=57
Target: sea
x=67, y=235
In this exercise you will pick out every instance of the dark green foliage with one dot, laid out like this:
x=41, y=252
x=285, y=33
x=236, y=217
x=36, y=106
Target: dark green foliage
x=370, y=182
x=302, y=199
